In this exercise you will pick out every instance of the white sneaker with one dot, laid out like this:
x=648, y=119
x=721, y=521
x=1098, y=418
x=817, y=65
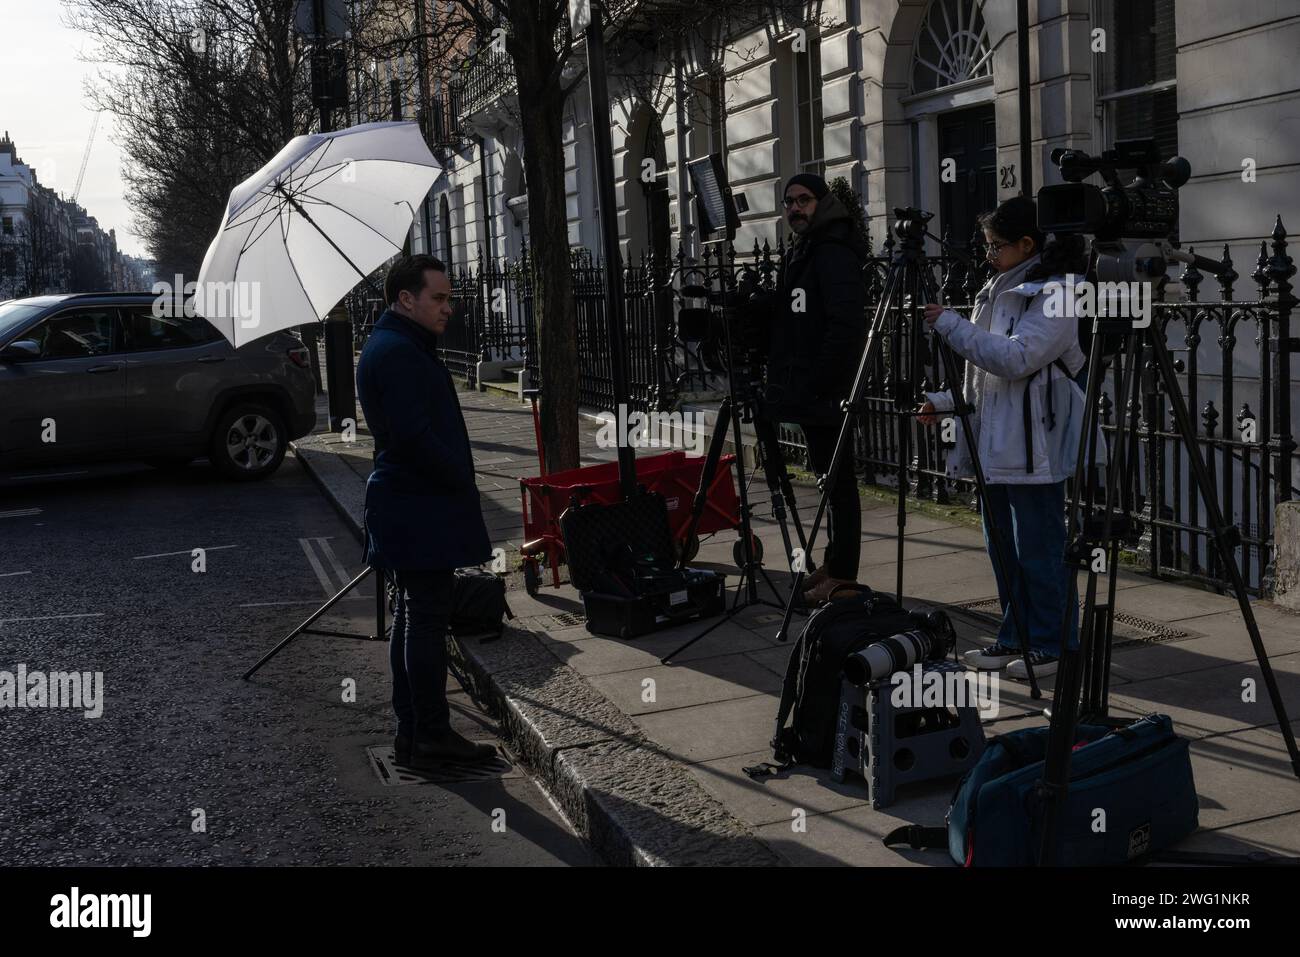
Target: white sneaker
x=1044, y=666
x=994, y=658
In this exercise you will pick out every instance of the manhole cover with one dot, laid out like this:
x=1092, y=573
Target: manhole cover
x=1129, y=629
x=381, y=758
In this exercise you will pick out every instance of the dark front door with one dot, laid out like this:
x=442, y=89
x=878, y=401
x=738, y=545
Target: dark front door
x=970, y=138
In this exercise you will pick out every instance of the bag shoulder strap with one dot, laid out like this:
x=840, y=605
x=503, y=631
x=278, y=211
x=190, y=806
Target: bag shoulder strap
x=918, y=837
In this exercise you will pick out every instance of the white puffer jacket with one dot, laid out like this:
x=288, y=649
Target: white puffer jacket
x=1011, y=348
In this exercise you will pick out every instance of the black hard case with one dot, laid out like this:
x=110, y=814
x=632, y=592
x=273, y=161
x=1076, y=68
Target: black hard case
x=592, y=531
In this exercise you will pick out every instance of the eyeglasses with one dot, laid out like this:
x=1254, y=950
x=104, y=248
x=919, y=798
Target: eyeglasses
x=994, y=250
x=801, y=200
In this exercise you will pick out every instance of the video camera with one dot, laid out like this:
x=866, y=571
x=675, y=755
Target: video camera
x=1144, y=209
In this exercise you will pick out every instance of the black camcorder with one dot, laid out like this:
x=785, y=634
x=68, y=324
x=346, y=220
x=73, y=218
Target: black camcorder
x=1146, y=208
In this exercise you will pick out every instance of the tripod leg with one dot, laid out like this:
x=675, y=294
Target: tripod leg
x=303, y=627
x=709, y=470
x=774, y=472
x=1054, y=786
x=1225, y=540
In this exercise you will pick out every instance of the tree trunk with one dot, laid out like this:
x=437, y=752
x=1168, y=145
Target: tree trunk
x=542, y=111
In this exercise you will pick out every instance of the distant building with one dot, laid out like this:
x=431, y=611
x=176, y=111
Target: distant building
x=49, y=244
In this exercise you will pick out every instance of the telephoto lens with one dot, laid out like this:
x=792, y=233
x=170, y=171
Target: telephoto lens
x=932, y=639
x=882, y=658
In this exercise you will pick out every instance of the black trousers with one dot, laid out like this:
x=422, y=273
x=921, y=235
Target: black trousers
x=418, y=652
x=844, y=510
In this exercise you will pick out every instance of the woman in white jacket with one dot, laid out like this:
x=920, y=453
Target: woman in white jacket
x=1020, y=380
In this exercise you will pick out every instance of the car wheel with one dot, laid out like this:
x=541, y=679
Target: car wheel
x=249, y=442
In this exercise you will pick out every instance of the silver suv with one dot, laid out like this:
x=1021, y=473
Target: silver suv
x=99, y=376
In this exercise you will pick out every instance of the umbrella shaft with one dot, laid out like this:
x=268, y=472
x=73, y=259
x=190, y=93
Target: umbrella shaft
x=307, y=216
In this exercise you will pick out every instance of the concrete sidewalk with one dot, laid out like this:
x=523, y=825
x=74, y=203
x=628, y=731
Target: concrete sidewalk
x=660, y=782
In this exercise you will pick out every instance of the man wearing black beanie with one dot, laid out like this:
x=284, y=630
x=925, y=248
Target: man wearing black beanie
x=818, y=331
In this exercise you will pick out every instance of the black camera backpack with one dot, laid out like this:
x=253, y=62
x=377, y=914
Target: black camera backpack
x=811, y=691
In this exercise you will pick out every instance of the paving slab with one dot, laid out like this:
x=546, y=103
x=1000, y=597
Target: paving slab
x=1231, y=697
x=772, y=799
x=605, y=656
x=1243, y=777
x=663, y=688
x=715, y=730
x=1271, y=836
x=853, y=836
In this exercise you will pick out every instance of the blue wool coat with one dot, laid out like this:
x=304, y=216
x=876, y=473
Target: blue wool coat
x=422, y=507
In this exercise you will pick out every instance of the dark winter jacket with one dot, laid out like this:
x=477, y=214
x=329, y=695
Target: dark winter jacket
x=422, y=506
x=814, y=354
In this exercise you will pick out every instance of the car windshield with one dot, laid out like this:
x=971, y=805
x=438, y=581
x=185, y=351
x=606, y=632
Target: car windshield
x=14, y=315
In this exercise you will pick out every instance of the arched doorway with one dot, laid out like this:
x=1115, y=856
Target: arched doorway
x=952, y=50
x=648, y=221
x=945, y=54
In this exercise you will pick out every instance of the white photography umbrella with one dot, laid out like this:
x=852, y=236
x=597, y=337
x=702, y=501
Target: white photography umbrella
x=298, y=234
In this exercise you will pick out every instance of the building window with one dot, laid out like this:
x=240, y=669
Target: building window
x=717, y=113
x=8, y=225
x=444, y=221
x=1136, y=73
x=808, y=87
x=951, y=47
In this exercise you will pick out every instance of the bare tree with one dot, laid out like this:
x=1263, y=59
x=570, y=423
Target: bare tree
x=204, y=92
x=645, y=39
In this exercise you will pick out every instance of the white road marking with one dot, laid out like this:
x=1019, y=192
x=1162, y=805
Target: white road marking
x=312, y=601
x=316, y=566
x=20, y=512
x=12, y=574
x=5, y=621
x=187, y=551
x=333, y=559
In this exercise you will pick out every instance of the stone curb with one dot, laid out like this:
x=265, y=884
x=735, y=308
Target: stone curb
x=634, y=804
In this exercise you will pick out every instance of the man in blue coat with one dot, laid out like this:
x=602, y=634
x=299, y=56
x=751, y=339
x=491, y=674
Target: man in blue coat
x=422, y=512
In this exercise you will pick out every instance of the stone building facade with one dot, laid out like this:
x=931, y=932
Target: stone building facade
x=883, y=92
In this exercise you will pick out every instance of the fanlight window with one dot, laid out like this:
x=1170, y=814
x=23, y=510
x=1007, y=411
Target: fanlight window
x=952, y=46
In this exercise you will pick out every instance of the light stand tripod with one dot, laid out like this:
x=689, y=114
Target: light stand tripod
x=1093, y=539
x=908, y=285
x=306, y=629
x=731, y=413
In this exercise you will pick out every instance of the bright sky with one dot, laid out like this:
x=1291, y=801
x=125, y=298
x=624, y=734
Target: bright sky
x=44, y=108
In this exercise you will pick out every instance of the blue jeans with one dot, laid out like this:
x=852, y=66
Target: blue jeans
x=418, y=652
x=1030, y=520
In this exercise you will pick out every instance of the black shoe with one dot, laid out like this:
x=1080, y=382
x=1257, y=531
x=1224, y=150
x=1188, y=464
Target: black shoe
x=402, y=750
x=448, y=747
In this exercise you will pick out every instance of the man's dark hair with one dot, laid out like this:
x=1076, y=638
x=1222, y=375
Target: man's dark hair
x=407, y=275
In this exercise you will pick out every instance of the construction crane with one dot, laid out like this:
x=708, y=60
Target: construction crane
x=85, y=156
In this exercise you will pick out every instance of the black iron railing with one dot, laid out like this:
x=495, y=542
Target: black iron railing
x=1236, y=358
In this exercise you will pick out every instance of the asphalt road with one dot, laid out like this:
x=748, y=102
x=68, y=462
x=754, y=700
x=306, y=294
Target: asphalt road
x=96, y=575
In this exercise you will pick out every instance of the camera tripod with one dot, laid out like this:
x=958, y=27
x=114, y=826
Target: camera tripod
x=737, y=407
x=908, y=285
x=1094, y=534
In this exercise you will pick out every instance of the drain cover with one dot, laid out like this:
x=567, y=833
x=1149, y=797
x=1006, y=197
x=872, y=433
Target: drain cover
x=391, y=774
x=568, y=619
x=1129, y=629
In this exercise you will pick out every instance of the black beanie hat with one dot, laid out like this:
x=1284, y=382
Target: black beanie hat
x=809, y=181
